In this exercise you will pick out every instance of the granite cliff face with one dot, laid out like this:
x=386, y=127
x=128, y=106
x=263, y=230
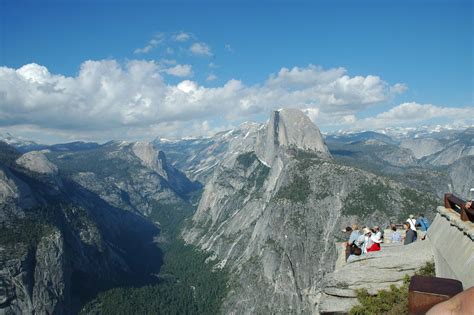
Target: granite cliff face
x=288, y=128
x=74, y=223
x=271, y=213
x=198, y=158
x=461, y=174
x=81, y=217
x=130, y=176
x=442, y=149
x=37, y=162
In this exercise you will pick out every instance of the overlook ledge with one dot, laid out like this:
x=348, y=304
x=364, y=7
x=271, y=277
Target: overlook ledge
x=453, y=246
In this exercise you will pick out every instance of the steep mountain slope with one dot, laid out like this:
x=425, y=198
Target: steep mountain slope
x=422, y=147
x=373, y=151
x=456, y=146
x=197, y=158
x=131, y=176
x=75, y=223
x=60, y=243
x=271, y=214
x=461, y=174
x=441, y=148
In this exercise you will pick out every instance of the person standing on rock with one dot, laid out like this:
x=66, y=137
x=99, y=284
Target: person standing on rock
x=410, y=235
x=411, y=220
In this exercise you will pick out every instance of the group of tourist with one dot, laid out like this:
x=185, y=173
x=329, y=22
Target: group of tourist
x=364, y=240
x=411, y=233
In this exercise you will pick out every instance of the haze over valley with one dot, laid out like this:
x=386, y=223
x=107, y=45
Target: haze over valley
x=203, y=157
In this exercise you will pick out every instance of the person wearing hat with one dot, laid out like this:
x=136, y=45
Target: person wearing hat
x=411, y=220
x=376, y=240
x=365, y=240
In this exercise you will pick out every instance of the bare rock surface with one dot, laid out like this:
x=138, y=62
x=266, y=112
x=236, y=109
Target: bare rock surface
x=422, y=147
x=461, y=174
x=374, y=271
x=288, y=128
x=37, y=162
x=150, y=157
x=271, y=217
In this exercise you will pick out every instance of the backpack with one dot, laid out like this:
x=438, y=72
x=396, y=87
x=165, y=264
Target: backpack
x=355, y=250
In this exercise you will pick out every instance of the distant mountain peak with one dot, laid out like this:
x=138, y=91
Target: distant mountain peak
x=37, y=162
x=150, y=157
x=289, y=128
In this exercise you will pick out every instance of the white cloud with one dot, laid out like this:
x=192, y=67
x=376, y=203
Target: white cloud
x=413, y=113
x=182, y=37
x=109, y=99
x=399, y=88
x=201, y=49
x=211, y=77
x=152, y=43
x=229, y=48
x=331, y=91
x=180, y=71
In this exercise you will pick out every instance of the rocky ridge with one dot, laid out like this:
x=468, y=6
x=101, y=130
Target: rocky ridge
x=71, y=227
x=198, y=158
x=36, y=161
x=270, y=217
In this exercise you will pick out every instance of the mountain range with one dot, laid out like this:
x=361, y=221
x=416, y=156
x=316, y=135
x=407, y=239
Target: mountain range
x=263, y=202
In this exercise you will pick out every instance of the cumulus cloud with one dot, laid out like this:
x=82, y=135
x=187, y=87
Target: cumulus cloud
x=399, y=88
x=211, y=77
x=333, y=92
x=180, y=71
x=152, y=43
x=181, y=37
x=411, y=114
x=107, y=98
x=200, y=49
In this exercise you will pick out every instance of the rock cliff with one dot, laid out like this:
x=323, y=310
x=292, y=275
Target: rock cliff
x=288, y=128
x=73, y=223
x=422, y=147
x=272, y=217
x=198, y=158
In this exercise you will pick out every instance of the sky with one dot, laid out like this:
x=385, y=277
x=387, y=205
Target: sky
x=137, y=70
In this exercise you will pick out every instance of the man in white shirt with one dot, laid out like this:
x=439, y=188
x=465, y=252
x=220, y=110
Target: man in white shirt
x=412, y=221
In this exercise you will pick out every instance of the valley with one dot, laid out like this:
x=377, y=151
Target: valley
x=242, y=222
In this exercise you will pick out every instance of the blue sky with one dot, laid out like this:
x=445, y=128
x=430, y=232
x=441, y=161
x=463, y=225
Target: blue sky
x=421, y=52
